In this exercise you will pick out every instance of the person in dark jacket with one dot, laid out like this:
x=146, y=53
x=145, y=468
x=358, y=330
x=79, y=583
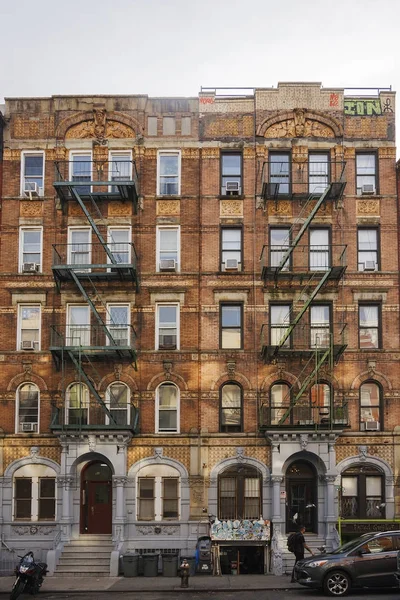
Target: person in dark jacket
x=299, y=547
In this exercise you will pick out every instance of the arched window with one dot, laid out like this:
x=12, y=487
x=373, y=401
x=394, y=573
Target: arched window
x=280, y=403
x=370, y=407
x=239, y=493
x=167, y=408
x=27, y=417
x=158, y=493
x=118, y=403
x=320, y=397
x=231, y=418
x=77, y=412
x=362, y=493
x=34, y=493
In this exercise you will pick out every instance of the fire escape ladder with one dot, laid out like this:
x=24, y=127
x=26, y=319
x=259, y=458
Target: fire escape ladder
x=81, y=370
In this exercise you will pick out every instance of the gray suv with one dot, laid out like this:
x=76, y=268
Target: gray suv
x=368, y=561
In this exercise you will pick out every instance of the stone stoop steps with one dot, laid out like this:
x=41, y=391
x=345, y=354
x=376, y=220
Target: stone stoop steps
x=87, y=556
x=312, y=540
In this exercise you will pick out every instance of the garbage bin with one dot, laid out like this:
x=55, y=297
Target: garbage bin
x=170, y=565
x=150, y=565
x=130, y=563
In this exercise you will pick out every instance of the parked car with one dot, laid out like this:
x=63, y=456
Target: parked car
x=368, y=561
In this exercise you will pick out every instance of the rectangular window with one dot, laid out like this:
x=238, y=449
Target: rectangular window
x=231, y=409
x=30, y=250
x=369, y=326
x=227, y=498
x=23, y=498
x=186, y=126
x=366, y=173
x=47, y=499
x=28, y=409
x=168, y=180
x=152, y=125
x=79, y=247
x=146, y=499
x=32, y=177
x=251, y=497
x=279, y=238
x=231, y=174
x=120, y=168
x=319, y=249
x=78, y=325
x=81, y=170
x=320, y=326
x=119, y=243
x=118, y=318
x=167, y=327
x=169, y=126
x=231, y=249
x=279, y=323
x=231, y=326
x=168, y=249
x=370, y=407
x=367, y=249
x=170, y=498
x=279, y=172
x=29, y=328
x=318, y=172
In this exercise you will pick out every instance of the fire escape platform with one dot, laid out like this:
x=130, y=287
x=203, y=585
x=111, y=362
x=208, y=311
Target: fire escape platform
x=299, y=276
x=100, y=273
x=270, y=353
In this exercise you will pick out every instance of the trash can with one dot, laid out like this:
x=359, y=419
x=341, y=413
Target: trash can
x=150, y=565
x=130, y=563
x=170, y=565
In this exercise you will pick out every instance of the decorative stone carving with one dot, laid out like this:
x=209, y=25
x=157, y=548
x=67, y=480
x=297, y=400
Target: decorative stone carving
x=31, y=208
x=190, y=152
x=299, y=154
x=167, y=369
x=231, y=367
x=290, y=129
x=280, y=208
x=371, y=366
x=114, y=129
x=144, y=529
x=119, y=209
x=117, y=371
x=92, y=442
x=65, y=481
x=158, y=453
x=299, y=121
x=240, y=457
x=99, y=124
x=229, y=208
x=368, y=207
x=9, y=154
x=100, y=129
x=82, y=130
x=210, y=153
x=34, y=452
x=303, y=440
x=168, y=207
x=362, y=453
x=120, y=481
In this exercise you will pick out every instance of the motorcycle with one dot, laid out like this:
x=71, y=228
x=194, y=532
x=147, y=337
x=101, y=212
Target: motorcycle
x=29, y=575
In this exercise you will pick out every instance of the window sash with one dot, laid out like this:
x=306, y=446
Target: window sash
x=318, y=173
x=168, y=174
x=231, y=245
x=170, y=499
x=365, y=170
x=34, y=171
x=231, y=170
x=279, y=244
x=369, y=326
x=31, y=245
x=231, y=326
x=367, y=248
x=279, y=171
x=146, y=499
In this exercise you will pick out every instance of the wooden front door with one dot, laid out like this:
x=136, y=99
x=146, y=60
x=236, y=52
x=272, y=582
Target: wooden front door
x=96, y=505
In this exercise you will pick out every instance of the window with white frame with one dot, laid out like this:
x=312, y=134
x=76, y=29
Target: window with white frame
x=366, y=173
x=318, y=172
x=119, y=244
x=320, y=325
x=79, y=246
x=30, y=249
x=167, y=328
x=279, y=323
x=32, y=174
x=118, y=403
x=319, y=249
x=279, y=238
x=78, y=325
x=168, y=180
x=27, y=413
x=34, y=493
x=167, y=408
x=118, y=319
x=231, y=248
x=158, y=493
x=368, y=258
x=168, y=248
x=77, y=397
x=231, y=325
x=81, y=170
x=120, y=168
x=29, y=317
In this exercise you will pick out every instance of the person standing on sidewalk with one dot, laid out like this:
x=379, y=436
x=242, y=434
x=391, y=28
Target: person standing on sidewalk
x=299, y=547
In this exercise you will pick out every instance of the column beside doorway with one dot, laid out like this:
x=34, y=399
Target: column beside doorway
x=65, y=484
x=278, y=540
x=119, y=520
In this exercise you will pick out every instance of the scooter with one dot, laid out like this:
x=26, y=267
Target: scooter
x=29, y=575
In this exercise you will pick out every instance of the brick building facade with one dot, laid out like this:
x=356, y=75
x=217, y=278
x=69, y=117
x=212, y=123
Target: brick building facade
x=199, y=318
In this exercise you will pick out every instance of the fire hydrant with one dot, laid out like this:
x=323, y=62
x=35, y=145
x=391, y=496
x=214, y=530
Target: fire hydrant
x=184, y=570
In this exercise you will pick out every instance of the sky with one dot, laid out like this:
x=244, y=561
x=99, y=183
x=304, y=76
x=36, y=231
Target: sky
x=173, y=47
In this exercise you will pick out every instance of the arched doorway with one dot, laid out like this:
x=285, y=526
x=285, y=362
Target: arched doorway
x=96, y=498
x=301, y=496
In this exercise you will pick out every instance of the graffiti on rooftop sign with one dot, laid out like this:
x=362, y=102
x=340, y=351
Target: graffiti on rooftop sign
x=361, y=107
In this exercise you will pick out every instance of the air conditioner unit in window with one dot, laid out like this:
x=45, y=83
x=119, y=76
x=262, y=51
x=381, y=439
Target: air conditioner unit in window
x=28, y=427
x=372, y=426
x=370, y=265
x=31, y=189
x=368, y=188
x=30, y=267
x=231, y=264
x=168, y=264
x=27, y=345
x=232, y=188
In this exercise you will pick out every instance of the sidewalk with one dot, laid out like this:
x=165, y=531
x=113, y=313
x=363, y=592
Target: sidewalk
x=159, y=584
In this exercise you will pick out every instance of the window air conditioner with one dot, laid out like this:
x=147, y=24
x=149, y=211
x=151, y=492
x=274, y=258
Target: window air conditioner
x=27, y=427
x=27, y=345
x=168, y=264
x=231, y=264
x=31, y=189
x=372, y=426
x=30, y=267
x=232, y=188
x=368, y=188
x=370, y=265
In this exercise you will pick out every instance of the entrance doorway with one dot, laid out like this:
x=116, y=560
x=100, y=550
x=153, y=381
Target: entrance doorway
x=96, y=498
x=301, y=497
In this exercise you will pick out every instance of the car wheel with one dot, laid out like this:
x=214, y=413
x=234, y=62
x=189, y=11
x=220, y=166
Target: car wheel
x=337, y=583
